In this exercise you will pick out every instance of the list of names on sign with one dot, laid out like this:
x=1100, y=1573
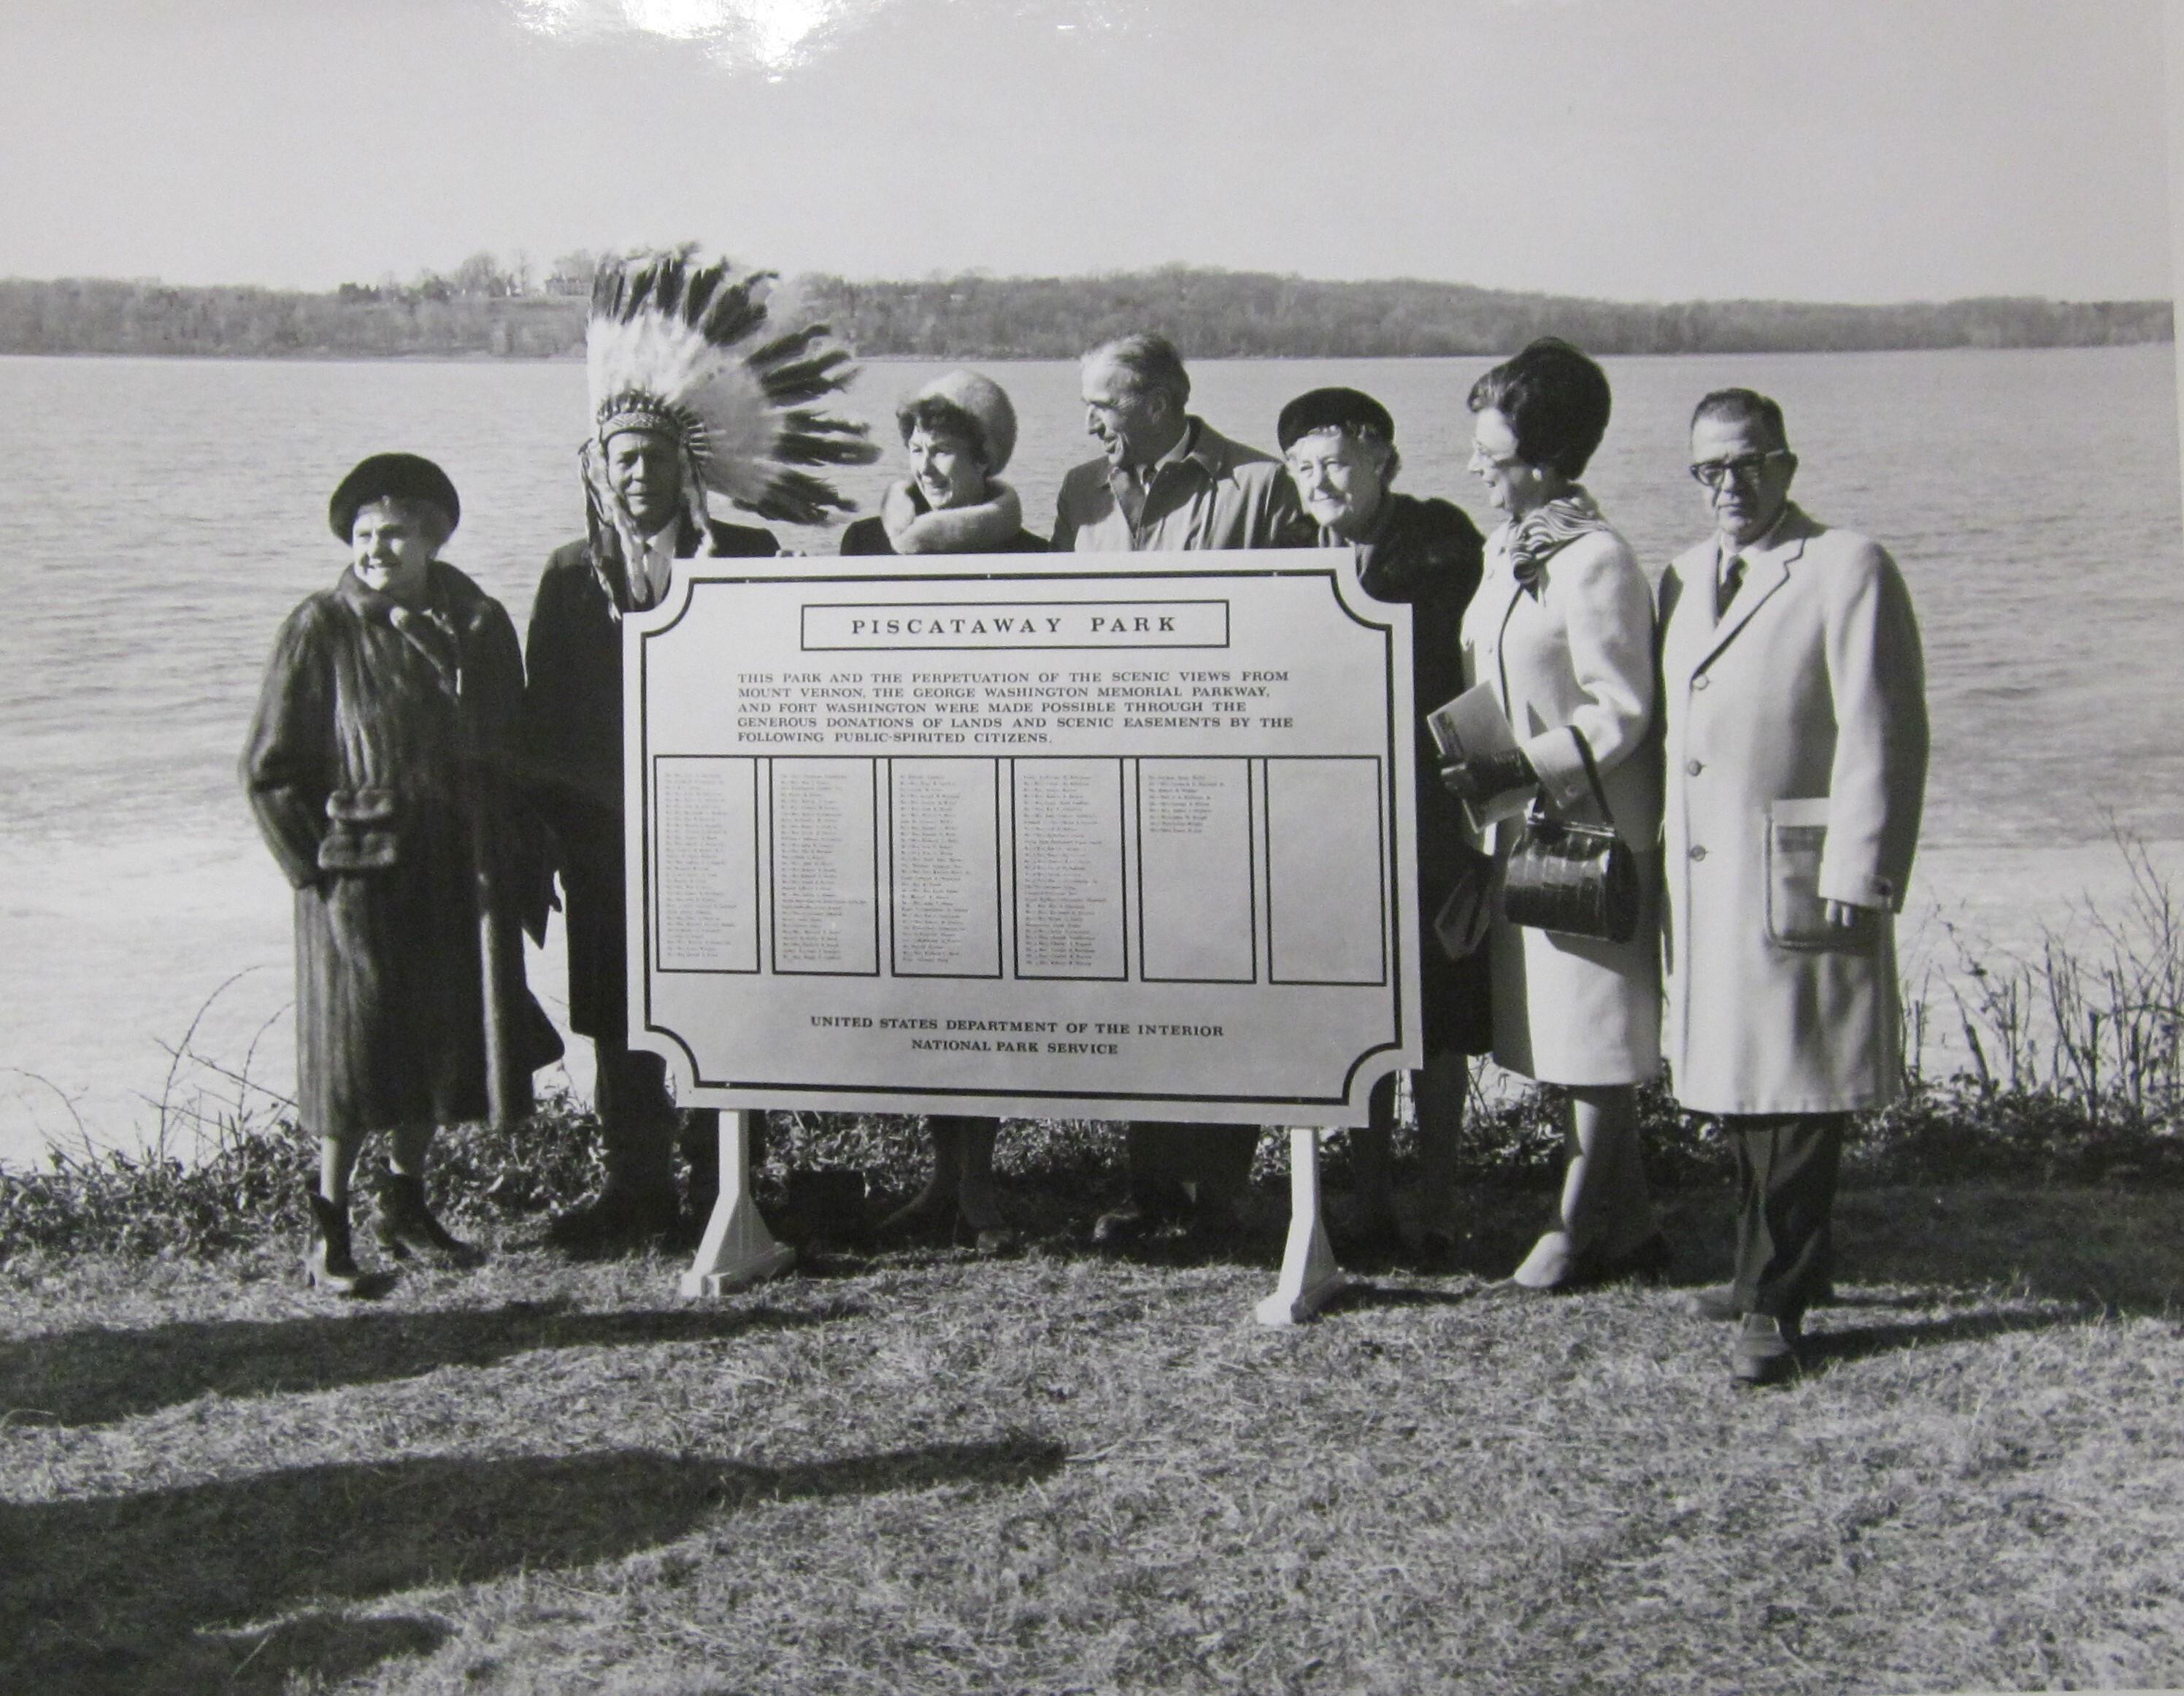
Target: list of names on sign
x=946, y=868
x=706, y=879
x=1109, y=836
x=1069, y=869
x=1196, y=892
x=825, y=916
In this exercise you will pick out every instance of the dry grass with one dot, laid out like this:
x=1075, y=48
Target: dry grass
x=925, y=1473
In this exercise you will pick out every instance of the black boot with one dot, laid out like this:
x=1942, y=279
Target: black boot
x=405, y=1224
x=933, y=1207
x=328, y=1264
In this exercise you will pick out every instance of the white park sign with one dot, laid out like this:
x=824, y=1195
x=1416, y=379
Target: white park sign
x=1124, y=836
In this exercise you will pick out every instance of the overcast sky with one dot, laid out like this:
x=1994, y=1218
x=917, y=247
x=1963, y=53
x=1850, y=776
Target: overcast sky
x=1855, y=150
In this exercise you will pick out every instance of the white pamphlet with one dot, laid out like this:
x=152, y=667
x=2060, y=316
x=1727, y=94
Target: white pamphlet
x=1465, y=728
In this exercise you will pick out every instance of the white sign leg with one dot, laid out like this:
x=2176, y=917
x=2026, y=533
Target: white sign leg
x=1309, y=1273
x=737, y=1248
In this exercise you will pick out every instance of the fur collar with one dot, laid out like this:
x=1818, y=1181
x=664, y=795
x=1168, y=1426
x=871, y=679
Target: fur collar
x=914, y=527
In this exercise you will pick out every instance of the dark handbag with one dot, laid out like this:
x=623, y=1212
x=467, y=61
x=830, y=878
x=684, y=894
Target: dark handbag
x=1574, y=879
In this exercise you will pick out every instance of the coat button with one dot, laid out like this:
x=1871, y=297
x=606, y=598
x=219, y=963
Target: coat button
x=1699, y=681
x=1693, y=768
x=1698, y=852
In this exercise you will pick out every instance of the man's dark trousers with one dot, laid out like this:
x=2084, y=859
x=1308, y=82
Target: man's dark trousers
x=1785, y=1175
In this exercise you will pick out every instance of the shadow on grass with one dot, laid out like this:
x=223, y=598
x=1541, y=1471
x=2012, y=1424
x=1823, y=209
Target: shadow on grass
x=2116, y=1249
x=1837, y=1345
x=1366, y=1294
x=171, y=1590
x=91, y=1376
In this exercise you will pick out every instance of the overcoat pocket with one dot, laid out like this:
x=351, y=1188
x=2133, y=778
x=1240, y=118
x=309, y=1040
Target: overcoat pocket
x=1796, y=916
x=361, y=834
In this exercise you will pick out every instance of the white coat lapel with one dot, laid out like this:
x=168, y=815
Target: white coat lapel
x=1765, y=571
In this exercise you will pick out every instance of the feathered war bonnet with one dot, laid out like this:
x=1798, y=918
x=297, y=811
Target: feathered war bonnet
x=683, y=348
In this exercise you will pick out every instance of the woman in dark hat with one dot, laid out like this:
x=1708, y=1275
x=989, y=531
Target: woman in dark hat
x=376, y=765
x=1340, y=447
x=959, y=430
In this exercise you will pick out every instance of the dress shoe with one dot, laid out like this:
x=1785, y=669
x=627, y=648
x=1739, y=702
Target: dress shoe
x=619, y=1219
x=1765, y=1351
x=1121, y=1225
x=1554, y=1266
x=1149, y=1208
x=329, y=1263
x=406, y=1225
x=978, y=1212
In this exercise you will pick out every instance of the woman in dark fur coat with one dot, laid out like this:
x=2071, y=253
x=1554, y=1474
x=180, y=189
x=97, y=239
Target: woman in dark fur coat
x=375, y=762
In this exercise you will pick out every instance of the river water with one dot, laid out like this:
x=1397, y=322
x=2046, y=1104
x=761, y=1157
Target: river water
x=163, y=516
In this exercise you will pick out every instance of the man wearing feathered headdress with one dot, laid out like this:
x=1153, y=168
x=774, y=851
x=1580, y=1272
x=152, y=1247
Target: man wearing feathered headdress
x=695, y=392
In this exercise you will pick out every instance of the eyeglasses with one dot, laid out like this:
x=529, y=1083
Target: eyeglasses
x=1482, y=460
x=1744, y=468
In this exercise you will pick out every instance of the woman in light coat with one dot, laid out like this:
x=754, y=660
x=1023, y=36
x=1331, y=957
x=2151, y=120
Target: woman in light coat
x=1562, y=628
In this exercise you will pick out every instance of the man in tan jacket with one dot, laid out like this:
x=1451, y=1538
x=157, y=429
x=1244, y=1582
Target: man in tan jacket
x=1795, y=698
x=1167, y=479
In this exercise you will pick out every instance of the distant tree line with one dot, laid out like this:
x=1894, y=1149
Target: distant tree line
x=484, y=305
x=509, y=309
x=1214, y=313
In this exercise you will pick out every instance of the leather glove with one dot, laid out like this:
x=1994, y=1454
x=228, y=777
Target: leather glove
x=1483, y=776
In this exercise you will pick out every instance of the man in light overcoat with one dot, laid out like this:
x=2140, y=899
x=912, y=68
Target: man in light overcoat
x=1795, y=699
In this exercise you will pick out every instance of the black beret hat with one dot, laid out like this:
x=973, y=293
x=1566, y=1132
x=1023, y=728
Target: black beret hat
x=1333, y=409
x=401, y=476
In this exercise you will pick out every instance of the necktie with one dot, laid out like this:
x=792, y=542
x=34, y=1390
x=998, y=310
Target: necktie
x=1725, y=586
x=652, y=571
x=1130, y=484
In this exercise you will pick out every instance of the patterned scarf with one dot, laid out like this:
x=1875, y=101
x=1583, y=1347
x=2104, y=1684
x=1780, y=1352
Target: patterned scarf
x=1546, y=530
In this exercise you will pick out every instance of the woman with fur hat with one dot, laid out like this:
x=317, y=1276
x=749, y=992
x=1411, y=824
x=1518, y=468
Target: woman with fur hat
x=378, y=767
x=959, y=430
